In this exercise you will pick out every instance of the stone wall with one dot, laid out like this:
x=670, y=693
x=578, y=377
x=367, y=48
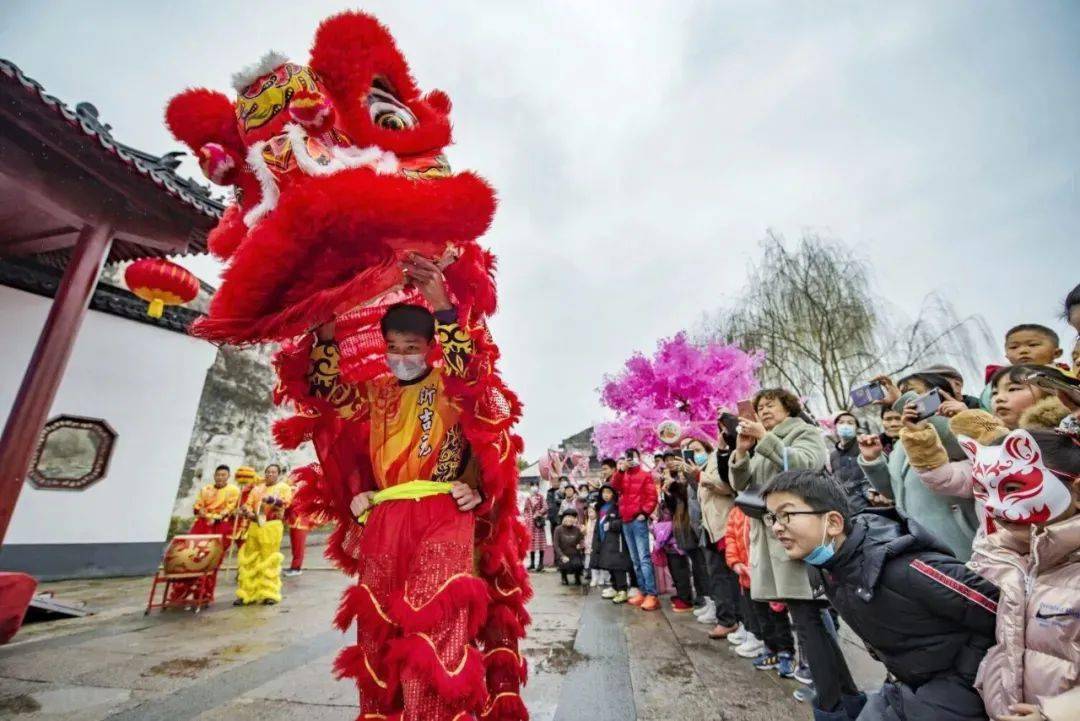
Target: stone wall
x=233, y=422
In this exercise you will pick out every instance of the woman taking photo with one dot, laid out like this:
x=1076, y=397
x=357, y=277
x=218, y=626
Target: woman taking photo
x=951, y=519
x=778, y=439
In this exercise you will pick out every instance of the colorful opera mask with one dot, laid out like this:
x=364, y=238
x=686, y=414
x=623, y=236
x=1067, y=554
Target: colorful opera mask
x=1013, y=482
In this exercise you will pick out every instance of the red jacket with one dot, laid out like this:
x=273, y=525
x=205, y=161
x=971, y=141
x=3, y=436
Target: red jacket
x=737, y=537
x=637, y=492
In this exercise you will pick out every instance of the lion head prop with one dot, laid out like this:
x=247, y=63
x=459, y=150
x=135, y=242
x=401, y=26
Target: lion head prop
x=339, y=172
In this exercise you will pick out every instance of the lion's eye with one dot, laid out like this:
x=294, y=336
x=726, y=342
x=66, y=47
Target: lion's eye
x=388, y=112
x=391, y=120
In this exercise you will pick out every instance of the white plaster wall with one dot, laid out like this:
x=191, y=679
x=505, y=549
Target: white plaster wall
x=146, y=383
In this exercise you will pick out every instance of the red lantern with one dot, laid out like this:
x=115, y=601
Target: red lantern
x=160, y=283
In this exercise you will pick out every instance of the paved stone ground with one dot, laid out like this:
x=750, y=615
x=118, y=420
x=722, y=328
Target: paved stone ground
x=589, y=660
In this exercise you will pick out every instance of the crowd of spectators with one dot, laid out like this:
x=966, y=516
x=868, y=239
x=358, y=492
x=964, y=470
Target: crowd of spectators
x=941, y=527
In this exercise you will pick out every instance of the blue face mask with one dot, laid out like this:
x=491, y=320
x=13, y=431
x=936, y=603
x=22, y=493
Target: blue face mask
x=701, y=458
x=846, y=433
x=823, y=553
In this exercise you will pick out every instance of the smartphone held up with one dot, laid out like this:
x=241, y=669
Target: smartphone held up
x=928, y=403
x=872, y=392
x=746, y=410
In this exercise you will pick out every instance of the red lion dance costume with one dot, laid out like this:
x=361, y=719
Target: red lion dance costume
x=339, y=173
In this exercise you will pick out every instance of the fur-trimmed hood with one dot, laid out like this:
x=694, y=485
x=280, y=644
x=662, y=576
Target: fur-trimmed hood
x=1047, y=413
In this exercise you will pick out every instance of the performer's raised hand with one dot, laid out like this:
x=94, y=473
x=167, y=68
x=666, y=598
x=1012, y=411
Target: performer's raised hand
x=360, y=503
x=466, y=496
x=428, y=278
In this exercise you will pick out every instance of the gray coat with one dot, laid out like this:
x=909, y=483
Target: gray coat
x=950, y=519
x=772, y=575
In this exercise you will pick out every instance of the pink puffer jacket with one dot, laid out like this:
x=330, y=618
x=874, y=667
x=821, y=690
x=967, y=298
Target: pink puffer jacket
x=1037, y=656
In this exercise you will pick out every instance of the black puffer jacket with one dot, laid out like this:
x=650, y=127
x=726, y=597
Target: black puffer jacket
x=844, y=465
x=609, y=549
x=923, y=613
x=554, y=500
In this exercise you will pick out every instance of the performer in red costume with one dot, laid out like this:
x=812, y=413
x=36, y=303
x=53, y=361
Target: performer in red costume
x=348, y=220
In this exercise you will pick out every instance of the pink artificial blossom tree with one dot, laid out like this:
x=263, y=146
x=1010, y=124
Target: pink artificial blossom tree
x=681, y=382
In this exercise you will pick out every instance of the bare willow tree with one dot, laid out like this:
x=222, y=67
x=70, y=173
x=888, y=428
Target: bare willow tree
x=812, y=311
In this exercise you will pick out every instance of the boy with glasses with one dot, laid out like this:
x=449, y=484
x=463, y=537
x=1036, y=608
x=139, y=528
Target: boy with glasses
x=920, y=611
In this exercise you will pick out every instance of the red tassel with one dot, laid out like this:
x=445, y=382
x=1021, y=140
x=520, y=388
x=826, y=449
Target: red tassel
x=289, y=433
x=502, y=623
x=228, y=234
x=462, y=592
x=505, y=666
x=352, y=663
x=505, y=707
x=414, y=657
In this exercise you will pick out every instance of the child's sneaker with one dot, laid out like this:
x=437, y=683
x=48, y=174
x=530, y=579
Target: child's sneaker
x=737, y=637
x=609, y=592
x=680, y=606
x=619, y=597
x=636, y=600
x=751, y=647
x=785, y=665
x=651, y=603
x=708, y=619
x=766, y=660
x=802, y=674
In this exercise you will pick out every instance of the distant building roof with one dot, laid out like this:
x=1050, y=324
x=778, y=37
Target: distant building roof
x=159, y=169
x=62, y=170
x=530, y=471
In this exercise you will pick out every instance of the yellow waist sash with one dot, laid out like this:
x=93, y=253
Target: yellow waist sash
x=410, y=491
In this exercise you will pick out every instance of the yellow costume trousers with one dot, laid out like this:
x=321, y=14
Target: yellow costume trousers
x=258, y=576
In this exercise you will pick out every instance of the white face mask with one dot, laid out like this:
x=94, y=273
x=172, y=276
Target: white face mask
x=407, y=367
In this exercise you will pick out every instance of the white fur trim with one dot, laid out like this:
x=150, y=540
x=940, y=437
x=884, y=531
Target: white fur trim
x=341, y=158
x=381, y=161
x=250, y=73
x=388, y=163
x=267, y=185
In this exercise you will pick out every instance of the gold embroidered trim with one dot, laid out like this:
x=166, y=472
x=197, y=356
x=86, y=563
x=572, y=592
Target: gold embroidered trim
x=440, y=589
x=374, y=676
x=375, y=603
x=435, y=650
x=511, y=592
x=324, y=381
x=505, y=649
x=457, y=346
x=494, y=700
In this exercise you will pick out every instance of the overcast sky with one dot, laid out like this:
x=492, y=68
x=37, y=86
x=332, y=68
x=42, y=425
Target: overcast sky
x=641, y=150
